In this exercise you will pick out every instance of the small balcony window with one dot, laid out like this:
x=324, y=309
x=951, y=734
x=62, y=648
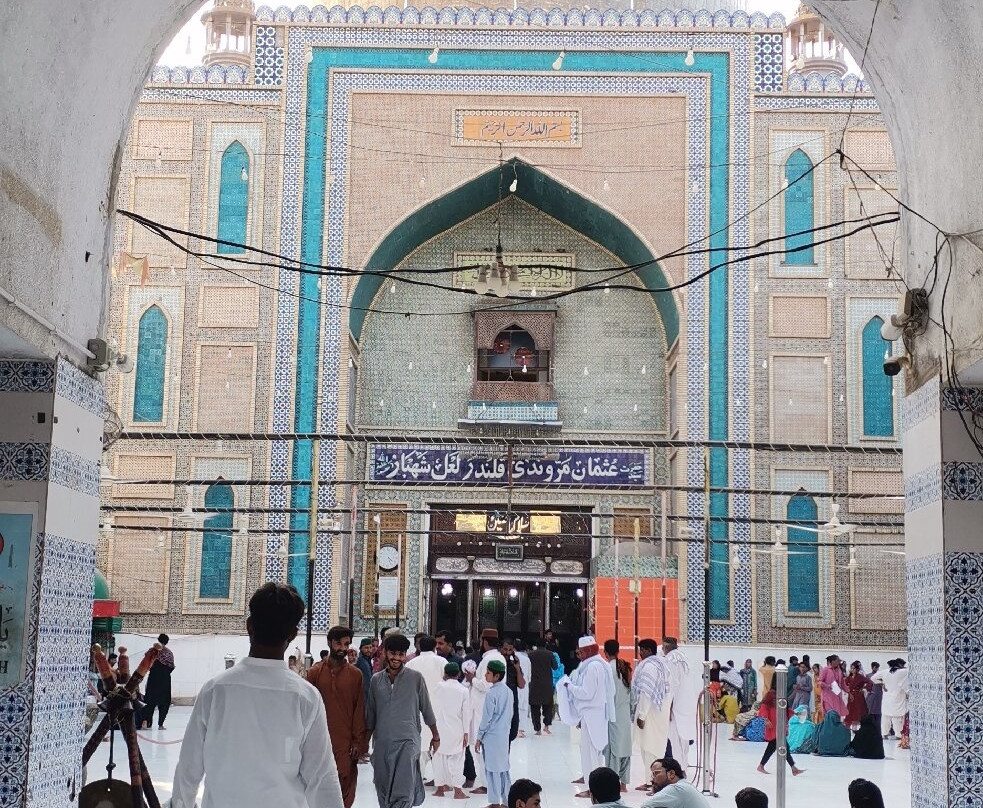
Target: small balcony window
x=513, y=357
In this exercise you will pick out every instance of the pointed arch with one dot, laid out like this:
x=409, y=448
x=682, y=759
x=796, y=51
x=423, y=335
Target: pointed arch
x=215, y=573
x=151, y=362
x=878, y=402
x=800, y=213
x=803, y=556
x=233, y=197
x=542, y=192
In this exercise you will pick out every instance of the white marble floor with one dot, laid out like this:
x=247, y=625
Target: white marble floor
x=554, y=761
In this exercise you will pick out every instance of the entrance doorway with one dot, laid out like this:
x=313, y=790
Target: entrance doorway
x=516, y=609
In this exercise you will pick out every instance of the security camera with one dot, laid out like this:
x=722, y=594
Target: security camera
x=893, y=327
x=893, y=364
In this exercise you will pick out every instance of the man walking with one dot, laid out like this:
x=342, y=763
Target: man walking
x=542, y=663
x=431, y=668
x=450, y=706
x=397, y=699
x=652, y=701
x=258, y=733
x=682, y=715
x=342, y=690
x=515, y=681
x=592, y=702
x=525, y=724
x=493, y=734
x=157, y=693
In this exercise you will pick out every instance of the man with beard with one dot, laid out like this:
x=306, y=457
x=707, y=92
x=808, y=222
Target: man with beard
x=431, y=667
x=342, y=690
x=591, y=699
x=515, y=681
x=652, y=700
x=397, y=699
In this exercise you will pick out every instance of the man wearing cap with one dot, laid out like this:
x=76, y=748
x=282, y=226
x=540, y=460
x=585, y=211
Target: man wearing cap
x=492, y=741
x=450, y=705
x=480, y=687
x=591, y=700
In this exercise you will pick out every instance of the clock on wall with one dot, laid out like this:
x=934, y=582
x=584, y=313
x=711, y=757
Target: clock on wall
x=388, y=557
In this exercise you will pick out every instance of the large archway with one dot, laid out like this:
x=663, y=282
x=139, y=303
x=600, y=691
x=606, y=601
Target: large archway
x=59, y=167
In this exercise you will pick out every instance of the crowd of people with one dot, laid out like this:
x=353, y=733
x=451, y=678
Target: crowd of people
x=835, y=710
x=432, y=714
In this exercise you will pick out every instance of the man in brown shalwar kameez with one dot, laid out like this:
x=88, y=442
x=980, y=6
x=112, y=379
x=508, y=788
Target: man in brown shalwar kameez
x=342, y=690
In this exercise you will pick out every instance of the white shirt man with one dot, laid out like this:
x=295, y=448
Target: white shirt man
x=431, y=667
x=592, y=702
x=479, y=689
x=682, y=715
x=894, y=702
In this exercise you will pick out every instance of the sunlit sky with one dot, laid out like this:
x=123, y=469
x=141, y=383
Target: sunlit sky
x=188, y=47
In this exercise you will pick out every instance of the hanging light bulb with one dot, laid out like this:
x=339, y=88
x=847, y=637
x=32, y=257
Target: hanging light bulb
x=644, y=370
x=607, y=185
x=524, y=369
x=244, y=175
x=433, y=405
x=173, y=270
x=244, y=527
x=310, y=56
x=826, y=360
x=423, y=182
x=558, y=62
x=585, y=409
x=514, y=185
x=535, y=408
x=410, y=366
x=229, y=354
x=764, y=363
x=585, y=370
x=756, y=288
x=319, y=284
x=220, y=445
x=778, y=538
x=186, y=513
x=392, y=289
x=533, y=292
x=160, y=539
x=159, y=162
x=351, y=362
x=735, y=560
x=690, y=59
x=382, y=402
x=228, y=385
x=470, y=368
x=434, y=55
x=829, y=283
x=841, y=398
x=635, y=408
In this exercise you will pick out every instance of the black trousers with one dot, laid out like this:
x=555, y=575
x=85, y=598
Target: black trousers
x=770, y=750
x=147, y=714
x=547, y=715
x=469, y=771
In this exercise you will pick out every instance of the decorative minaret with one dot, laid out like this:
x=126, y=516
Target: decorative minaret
x=229, y=32
x=812, y=46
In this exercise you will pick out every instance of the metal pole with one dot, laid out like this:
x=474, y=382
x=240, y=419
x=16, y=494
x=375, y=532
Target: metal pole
x=707, y=732
x=706, y=558
x=664, y=528
x=312, y=546
x=636, y=587
x=781, y=732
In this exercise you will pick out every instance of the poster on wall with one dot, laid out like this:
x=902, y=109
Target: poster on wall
x=16, y=571
x=388, y=591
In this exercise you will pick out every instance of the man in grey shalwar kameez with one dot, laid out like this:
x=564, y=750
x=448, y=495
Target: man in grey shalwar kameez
x=618, y=754
x=397, y=698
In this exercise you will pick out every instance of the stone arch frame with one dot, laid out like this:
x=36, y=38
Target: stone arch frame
x=542, y=191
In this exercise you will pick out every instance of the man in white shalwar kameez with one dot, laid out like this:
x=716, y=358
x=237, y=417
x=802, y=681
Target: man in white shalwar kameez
x=258, y=734
x=451, y=705
x=682, y=716
x=525, y=720
x=651, y=701
x=431, y=667
x=479, y=689
x=592, y=701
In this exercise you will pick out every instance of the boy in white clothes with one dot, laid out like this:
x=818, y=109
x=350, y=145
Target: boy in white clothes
x=453, y=710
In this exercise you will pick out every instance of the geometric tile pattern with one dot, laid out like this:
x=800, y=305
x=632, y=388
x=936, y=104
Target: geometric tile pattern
x=919, y=405
x=79, y=388
x=926, y=650
x=23, y=461
x=268, y=58
x=769, y=67
x=26, y=376
x=64, y=625
x=923, y=488
x=962, y=398
x=74, y=472
x=962, y=482
x=963, y=688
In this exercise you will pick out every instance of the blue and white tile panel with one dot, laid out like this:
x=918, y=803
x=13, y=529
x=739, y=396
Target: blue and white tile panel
x=921, y=404
x=923, y=488
x=74, y=472
x=927, y=694
x=26, y=376
x=64, y=625
x=23, y=461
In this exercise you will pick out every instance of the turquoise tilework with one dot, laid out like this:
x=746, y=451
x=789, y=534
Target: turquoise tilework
x=233, y=198
x=799, y=209
x=148, y=388
x=803, y=560
x=878, y=389
x=216, y=544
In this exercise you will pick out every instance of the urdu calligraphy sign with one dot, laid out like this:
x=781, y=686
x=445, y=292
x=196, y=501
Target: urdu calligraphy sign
x=626, y=468
x=542, y=272
x=530, y=127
